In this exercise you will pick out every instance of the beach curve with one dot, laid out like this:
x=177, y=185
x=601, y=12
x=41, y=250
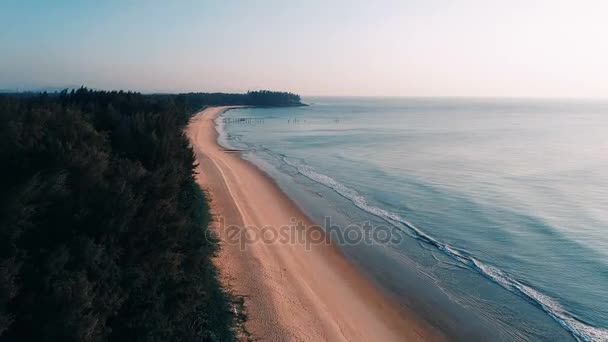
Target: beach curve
x=292, y=293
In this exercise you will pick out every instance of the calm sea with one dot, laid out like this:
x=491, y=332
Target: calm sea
x=498, y=208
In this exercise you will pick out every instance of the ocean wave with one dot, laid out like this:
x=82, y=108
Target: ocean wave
x=580, y=330
x=222, y=135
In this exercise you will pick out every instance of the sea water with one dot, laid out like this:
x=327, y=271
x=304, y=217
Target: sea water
x=498, y=207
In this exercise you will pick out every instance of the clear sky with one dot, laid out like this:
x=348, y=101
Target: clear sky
x=538, y=48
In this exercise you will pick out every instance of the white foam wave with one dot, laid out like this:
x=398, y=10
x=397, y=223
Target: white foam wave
x=581, y=331
x=222, y=135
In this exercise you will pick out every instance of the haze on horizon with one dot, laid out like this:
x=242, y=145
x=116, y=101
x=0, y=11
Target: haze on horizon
x=536, y=48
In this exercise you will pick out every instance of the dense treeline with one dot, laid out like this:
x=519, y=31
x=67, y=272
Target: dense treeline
x=195, y=101
x=252, y=98
x=102, y=227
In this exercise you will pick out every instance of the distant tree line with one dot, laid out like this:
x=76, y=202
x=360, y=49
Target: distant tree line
x=102, y=226
x=251, y=98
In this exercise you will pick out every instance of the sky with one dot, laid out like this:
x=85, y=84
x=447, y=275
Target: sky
x=511, y=48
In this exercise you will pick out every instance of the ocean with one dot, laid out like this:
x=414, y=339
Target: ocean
x=496, y=210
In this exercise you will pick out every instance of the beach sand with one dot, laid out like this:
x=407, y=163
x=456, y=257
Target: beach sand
x=292, y=293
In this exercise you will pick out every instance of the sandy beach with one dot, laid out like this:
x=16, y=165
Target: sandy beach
x=292, y=293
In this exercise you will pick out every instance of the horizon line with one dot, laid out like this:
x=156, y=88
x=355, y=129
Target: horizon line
x=57, y=89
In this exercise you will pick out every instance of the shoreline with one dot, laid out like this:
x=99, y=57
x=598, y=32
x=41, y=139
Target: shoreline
x=291, y=292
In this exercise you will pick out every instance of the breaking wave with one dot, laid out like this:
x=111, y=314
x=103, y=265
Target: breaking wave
x=580, y=330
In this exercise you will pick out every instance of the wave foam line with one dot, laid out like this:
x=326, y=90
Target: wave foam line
x=578, y=329
x=220, y=128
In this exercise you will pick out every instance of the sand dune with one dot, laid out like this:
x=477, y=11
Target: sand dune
x=292, y=293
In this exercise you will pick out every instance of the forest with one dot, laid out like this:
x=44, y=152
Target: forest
x=261, y=98
x=103, y=231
